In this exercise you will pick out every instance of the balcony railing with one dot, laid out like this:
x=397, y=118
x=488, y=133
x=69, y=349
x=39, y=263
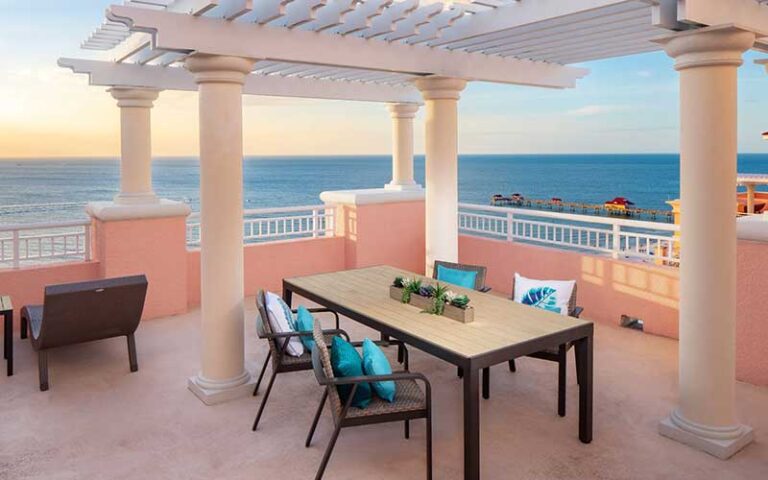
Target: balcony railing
x=37, y=243
x=618, y=237
x=271, y=224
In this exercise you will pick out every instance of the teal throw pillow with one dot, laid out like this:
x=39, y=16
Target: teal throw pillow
x=346, y=362
x=376, y=363
x=304, y=323
x=462, y=278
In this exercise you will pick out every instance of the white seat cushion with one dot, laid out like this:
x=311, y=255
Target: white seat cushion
x=281, y=321
x=552, y=295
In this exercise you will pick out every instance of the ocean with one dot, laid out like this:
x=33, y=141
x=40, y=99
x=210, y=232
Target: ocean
x=65, y=185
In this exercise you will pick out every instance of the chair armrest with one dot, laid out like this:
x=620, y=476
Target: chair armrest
x=485, y=290
x=384, y=378
x=321, y=310
x=288, y=335
x=576, y=312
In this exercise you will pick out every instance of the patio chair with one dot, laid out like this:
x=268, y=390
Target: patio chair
x=83, y=312
x=553, y=355
x=480, y=286
x=410, y=403
x=282, y=362
x=481, y=271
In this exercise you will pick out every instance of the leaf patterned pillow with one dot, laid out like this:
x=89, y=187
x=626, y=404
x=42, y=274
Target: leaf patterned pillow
x=552, y=295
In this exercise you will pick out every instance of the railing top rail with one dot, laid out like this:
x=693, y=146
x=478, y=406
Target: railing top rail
x=45, y=225
x=574, y=217
x=263, y=211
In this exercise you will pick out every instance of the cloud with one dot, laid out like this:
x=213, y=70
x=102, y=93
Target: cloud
x=592, y=110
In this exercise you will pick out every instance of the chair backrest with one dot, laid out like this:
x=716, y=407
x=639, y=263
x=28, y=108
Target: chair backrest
x=572, y=302
x=263, y=328
x=85, y=311
x=321, y=363
x=479, y=279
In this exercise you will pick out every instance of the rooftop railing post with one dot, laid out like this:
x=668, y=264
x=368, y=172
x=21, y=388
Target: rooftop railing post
x=315, y=224
x=16, y=249
x=510, y=226
x=87, y=252
x=616, y=249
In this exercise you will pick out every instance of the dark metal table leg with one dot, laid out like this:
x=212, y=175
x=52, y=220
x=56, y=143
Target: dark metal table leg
x=471, y=424
x=287, y=295
x=584, y=361
x=8, y=348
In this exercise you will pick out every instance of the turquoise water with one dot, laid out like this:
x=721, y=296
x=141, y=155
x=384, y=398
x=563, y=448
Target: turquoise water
x=648, y=180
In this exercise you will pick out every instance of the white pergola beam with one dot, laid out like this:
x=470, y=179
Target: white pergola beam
x=110, y=74
x=180, y=32
x=747, y=14
x=518, y=14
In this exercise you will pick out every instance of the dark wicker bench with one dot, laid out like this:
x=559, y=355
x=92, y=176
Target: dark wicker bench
x=83, y=312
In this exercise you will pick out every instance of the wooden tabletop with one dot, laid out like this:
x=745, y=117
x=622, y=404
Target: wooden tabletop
x=499, y=322
x=5, y=303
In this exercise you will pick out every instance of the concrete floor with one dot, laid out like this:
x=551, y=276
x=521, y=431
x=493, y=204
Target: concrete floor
x=98, y=421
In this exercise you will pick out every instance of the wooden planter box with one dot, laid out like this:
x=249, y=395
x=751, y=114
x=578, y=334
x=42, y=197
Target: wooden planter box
x=463, y=315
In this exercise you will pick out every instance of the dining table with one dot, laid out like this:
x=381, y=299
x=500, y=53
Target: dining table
x=502, y=330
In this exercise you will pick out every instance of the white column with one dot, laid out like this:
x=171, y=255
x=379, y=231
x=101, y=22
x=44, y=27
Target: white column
x=707, y=61
x=220, y=81
x=441, y=96
x=135, y=145
x=402, y=146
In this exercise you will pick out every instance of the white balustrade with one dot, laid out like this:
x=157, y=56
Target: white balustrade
x=36, y=243
x=271, y=224
x=618, y=237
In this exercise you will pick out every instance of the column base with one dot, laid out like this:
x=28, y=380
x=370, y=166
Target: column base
x=212, y=392
x=136, y=198
x=402, y=187
x=721, y=442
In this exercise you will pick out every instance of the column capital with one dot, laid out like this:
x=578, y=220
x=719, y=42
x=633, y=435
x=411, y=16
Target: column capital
x=219, y=68
x=437, y=88
x=706, y=47
x=134, y=97
x=403, y=110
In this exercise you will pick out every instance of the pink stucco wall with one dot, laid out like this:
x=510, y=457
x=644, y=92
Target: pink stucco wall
x=155, y=247
x=25, y=286
x=607, y=288
x=266, y=264
x=384, y=233
x=752, y=313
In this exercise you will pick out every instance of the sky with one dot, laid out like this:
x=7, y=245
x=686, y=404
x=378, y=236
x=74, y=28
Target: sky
x=625, y=105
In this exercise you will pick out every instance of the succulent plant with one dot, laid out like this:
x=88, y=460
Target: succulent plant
x=427, y=291
x=460, y=301
x=410, y=286
x=398, y=282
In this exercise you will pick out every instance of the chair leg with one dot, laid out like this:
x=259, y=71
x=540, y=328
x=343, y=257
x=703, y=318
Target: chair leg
x=486, y=383
x=328, y=451
x=578, y=372
x=512, y=366
x=317, y=417
x=24, y=327
x=42, y=367
x=407, y=429
x=132, y=360
x=460, y=372
x=561, y=378
x=429, y=443
x=261, y=375
x=264, y=400
x=400, y=354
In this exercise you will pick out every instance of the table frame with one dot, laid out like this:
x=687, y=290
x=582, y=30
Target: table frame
x=7, y=314
x=580, y=335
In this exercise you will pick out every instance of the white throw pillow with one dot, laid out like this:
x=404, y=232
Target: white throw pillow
x=281, y=321
x=552, y=295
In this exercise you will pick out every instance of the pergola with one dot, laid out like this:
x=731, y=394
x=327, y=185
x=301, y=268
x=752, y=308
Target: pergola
x=405, y=53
